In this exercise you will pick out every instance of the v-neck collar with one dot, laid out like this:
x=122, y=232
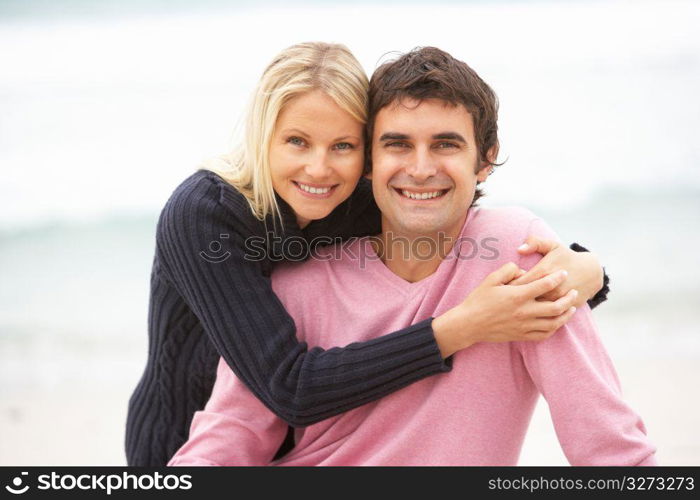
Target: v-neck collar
x=380, y=269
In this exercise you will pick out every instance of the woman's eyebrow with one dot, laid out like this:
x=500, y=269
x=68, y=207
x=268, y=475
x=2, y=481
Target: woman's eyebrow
x=295, y=131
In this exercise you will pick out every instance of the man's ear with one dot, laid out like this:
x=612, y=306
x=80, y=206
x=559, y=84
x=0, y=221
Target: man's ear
x=483, y=174
x=488, y=167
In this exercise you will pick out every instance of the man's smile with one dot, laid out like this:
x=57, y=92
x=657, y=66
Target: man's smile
x=421, y=194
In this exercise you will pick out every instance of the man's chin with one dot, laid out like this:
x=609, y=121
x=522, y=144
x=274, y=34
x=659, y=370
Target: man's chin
x=417, y=228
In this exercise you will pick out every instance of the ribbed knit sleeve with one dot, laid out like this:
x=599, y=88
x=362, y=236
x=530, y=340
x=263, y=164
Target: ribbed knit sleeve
x=201, y=246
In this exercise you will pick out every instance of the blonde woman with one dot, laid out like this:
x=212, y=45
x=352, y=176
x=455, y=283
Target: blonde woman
x=296, y=180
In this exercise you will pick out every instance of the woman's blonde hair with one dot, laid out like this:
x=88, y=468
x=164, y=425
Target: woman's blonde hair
x=298, y=69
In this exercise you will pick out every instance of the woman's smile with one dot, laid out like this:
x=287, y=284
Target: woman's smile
x=317, y=191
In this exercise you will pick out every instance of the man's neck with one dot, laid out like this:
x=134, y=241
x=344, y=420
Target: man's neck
x=414, y=257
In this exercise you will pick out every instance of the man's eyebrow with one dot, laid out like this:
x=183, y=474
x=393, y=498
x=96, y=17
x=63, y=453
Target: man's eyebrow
x=393, y=136
x=450, y=136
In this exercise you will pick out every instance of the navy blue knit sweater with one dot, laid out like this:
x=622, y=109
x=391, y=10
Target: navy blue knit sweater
x=209, y=298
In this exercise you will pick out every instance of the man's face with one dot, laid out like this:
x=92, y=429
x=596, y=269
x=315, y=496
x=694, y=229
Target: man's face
x=424, y=159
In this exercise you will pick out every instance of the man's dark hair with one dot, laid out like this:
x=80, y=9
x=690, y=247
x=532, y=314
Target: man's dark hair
x=431, y=73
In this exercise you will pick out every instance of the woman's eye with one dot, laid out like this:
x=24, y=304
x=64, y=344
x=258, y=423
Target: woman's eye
x=296, y=141
x=343, y=146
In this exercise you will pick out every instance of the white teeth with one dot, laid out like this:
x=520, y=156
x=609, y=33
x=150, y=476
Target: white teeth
x=420, y=196
x=313, y=190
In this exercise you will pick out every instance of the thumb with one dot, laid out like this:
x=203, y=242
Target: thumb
x=505, y=274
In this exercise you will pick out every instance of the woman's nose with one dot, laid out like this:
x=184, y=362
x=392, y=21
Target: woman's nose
x=318, y=166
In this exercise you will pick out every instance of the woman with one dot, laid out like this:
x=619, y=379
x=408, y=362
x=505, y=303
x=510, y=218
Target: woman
x=295, y=178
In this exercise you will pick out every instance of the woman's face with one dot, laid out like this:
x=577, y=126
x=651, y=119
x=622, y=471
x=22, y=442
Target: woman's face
x=316, y=155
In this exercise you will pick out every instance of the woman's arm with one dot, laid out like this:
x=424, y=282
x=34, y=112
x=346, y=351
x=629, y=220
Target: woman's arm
x=252, y=331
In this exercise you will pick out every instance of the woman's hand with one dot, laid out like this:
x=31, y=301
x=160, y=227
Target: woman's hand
x=585, y=271
x=497, y=311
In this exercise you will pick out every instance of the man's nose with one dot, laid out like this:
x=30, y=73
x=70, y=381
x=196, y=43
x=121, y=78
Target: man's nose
x=423, y=167
x=318, y=166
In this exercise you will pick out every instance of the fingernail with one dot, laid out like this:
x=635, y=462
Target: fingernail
x=574, y=293
x=524, y=247
x=564, y=274
x=573, y=309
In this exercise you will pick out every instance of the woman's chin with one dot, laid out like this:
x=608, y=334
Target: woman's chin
x=305, y=217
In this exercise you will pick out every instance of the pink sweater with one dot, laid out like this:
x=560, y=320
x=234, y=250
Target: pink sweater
x=477, y=414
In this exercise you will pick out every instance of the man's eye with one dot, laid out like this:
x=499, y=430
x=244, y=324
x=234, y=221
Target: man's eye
x=396, y=144
x=446, y=145
x=343, y=146
x=297, y=141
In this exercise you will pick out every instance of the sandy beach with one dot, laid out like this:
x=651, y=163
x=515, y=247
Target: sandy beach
x=84, y=425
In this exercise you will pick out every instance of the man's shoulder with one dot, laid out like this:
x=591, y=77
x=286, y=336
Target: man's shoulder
x=506, y=218
x=504, y=223
x=515, y=220
x=497, y=231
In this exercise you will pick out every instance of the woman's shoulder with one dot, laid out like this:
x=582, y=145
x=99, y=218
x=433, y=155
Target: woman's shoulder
x=206, y=186
x=206, y=195
x=202, y=209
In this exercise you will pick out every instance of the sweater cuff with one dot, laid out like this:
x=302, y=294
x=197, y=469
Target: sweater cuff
x=423, y=332
x=602, y=294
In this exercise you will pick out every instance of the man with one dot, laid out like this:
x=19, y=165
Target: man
x=433, y=131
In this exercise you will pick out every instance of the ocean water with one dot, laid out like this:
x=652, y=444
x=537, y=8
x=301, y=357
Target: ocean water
x=78, y=292
x=106, y=109
x=598, y=134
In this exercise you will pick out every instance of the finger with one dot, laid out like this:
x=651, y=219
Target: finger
x=537, y=272
x=521, y=272
x=546, y=309
x=543, y=285
x=555, y=294
x=536, y=244
x=553, y=324
x=503, y=275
